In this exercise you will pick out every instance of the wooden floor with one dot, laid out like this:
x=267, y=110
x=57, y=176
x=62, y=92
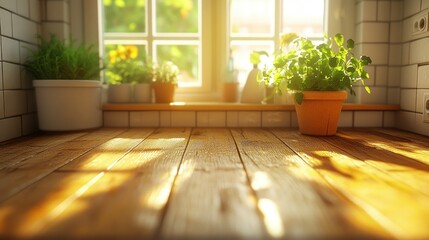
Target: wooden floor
x=218, y=183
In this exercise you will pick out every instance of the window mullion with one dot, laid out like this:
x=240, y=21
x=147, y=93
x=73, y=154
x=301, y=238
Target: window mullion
x=149, y=27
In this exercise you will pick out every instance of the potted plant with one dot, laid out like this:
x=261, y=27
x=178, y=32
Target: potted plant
x=165, y=82
x=67, y=85
x=143, y=82
x=253, y=90
x=318, y=75
x=121, y=71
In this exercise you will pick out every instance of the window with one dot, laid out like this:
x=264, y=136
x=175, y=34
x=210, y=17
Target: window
x=199, y=35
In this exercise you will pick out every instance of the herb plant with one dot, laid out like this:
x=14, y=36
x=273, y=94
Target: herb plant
x=167, y=73
x=55, y=59
x=309, y=67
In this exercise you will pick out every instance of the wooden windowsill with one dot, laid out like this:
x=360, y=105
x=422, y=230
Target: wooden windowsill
x=206, y=106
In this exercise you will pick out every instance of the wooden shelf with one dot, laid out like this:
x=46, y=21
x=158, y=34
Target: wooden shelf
x=206, y=106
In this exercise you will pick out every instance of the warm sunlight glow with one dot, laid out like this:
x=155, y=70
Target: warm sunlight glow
x=272, y=219
x=157, y=196
x=261, y=180
x=177, y=104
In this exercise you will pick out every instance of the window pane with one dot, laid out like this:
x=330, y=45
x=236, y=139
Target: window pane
x=177, y=16
x=241, y=51
x=304, y=20
x=124, y=15
x=186, y=58
x=252, y=17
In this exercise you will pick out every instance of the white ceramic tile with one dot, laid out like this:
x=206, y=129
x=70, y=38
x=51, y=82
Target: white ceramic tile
x=381, y=73
x=275, y=119
x=368, y=119
x=23, y=7
x=389, y=118
x=395, y=54
x=249, y=119
x=405, y=54
x=116, y=119
x=10, y=128
x=383, y=11
x=24, y=29
x=8, y=4
x=394, y=76
x=1, y=105
x=396, y=10
x=420, y=100
x=25, y=51
x=393, y=95
x=57, y=11
x=10, y=49
x=144, y=119
x=5, y=23
x=232, y=119
x=183, y=119
x=425, y=4
x=366, y=11
x=423, y=77
x=408, y=99
x=29, y=124
x=35, y=10
x=409, y=76
x=294, y=120
x=418, y=51
x=211, y=119
x=31, y=101
x=378, y=95
x=346, y=119
x=421, y=127
x=59, y=29
x=373, y=32
x=395, y=32
x=411, y=7
x=406, y=120
x=371, y=80
x=11, y=76
x=15, y=102
x=165, y=119
x=378, y=52
x=1, y=75
x=26, y=79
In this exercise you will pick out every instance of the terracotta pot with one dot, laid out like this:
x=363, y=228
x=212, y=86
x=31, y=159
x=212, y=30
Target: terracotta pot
x=319, y=112
x=164, y=92
x=230, y=91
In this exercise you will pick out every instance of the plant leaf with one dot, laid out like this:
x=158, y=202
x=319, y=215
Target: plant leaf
x=368, y=90
x=299, y=96
x=350, y=44
x=339, y=39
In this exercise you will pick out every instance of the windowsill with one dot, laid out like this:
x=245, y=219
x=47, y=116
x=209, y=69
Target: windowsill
x=215, y=106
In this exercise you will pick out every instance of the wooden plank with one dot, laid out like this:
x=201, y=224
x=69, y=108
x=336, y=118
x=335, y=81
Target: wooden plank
x=128, y=200
x=305, y=206
x=21, y=150
x=363, y=145
x=211, y=197
x=399, y=209
x=416, y=149
x=27, y=172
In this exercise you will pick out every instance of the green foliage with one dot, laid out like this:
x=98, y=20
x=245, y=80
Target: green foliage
x=166, y=73
x=55, y=59
x=308, y=67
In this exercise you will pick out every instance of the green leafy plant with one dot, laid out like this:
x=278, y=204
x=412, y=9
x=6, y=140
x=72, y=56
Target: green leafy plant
x=309, y=67
x=125, y=67
x=167, y=73
x=55, y=59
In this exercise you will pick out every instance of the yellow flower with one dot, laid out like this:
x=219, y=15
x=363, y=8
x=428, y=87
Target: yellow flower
x=112, y=56
x=132, y=52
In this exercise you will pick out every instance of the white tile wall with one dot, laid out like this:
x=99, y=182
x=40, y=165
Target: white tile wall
x=116, y=119
x=408, y=99
x=25, y=51
x=346, y=119
x=275, y=119
x=395, y=54
x=396, y=32
x=183, y=119
x=381, y=75
x=57, y=11
x=406, y=53
x=15, y=102
x=1, y=75
x=10, y=128
x=232, y=119
x=425, y=4
x=35, y=10
x=61, y=30
x=10, y=49
x=1, y=105
x=378, y=52
x=409, y=76
x=411, y=7
x=144, y=119
x=394, y=76
x=24, y=29
x=423, y=77
x=211, y=119
x=396, y=10
x=5, y=23
x=383, y=13
x=368, y=119
x=372, y=76
x=366, y=11
x=373, y=32
x=249, y=119
x=23, y=7
x=31, y=101
x=416, y=53
x=11, y=76
x=420, y=126
x=378, y=95
x=8, y=4
x=420, y=99
x=393, y=95
x=165, y=119
x=389, y=118
x=26, y=79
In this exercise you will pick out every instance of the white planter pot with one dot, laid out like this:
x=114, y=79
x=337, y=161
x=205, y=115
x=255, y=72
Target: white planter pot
x=143, y=93
x=120, y=93
x=65, y=105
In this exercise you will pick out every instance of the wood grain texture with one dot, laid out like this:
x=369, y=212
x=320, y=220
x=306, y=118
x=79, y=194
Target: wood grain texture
x=213, y=184
x=306, y=207
x=399, y=209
